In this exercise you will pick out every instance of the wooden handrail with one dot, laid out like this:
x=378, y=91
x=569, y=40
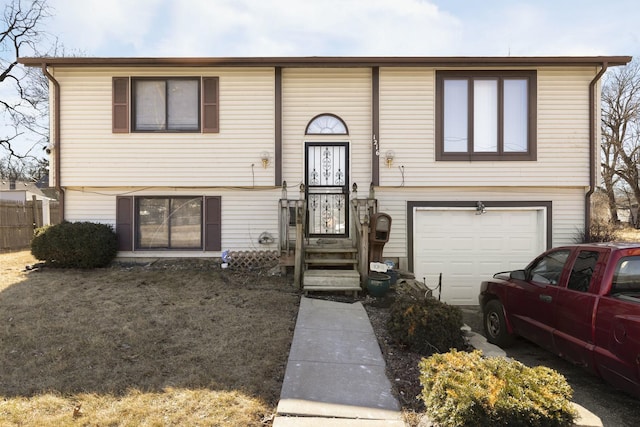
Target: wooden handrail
x=285, y=233
x=361, y=211
x=298, y=267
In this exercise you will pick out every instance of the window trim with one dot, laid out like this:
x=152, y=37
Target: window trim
x=127, y=220
x=322, y=115
x=134, y=88
x=137, y=222
x=500, y=76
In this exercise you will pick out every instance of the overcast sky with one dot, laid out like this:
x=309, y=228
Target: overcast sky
x=346, y=27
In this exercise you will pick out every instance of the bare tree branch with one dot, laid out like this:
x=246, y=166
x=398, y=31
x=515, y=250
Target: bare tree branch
x=620, y=128
x=24, y=106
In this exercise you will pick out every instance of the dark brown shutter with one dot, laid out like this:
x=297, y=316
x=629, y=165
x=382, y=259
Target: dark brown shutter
x=210, y=107
x=124, y=223
x=120, y=119
x=212, y=223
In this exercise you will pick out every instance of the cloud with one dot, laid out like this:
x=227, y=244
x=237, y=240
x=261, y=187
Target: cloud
x=547, y=27
x=345, y=27
x=256, y=27
x=95, y=26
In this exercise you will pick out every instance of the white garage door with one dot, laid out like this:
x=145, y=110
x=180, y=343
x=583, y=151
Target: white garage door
x=468, y=248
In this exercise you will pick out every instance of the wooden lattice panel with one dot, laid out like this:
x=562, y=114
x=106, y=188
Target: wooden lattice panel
x=253, y=260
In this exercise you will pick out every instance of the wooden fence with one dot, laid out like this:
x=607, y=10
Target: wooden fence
x=18, y=220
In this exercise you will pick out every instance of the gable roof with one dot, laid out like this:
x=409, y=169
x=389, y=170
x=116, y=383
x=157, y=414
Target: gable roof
x=22, y=186
x=5, y=185
x=329, y=61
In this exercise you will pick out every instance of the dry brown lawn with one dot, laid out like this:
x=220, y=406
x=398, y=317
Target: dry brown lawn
x=172, y=343
x=628, y=234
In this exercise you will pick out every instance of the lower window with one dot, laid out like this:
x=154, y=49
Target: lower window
x=169, y=222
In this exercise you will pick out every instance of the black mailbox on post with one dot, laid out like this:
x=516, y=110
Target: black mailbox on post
x=378, y=235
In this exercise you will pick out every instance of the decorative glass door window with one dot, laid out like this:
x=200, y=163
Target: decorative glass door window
x=327, y=189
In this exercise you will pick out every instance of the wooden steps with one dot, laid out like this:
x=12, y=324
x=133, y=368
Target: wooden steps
x=330, y=261
x=331, y=265
x=331, y=280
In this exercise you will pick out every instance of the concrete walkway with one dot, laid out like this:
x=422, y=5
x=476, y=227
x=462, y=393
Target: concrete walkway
x=335, y=375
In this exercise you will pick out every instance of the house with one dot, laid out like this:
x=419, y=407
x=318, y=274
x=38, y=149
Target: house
x=481, y=162
x=22, y=192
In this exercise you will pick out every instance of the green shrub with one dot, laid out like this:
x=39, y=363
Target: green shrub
x=427, y=326
x=465, y=389
x=75, y=245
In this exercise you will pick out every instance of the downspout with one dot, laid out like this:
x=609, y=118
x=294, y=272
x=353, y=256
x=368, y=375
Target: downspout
x=56, y=138
x=592, y=150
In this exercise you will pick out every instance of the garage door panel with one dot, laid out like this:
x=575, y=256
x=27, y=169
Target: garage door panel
x=488, y=268
x=521, y=218
x=432, y=267
x=520, y=243
x=492, y=244
x=433, y=241
x=452, y=296
x=460, y=243
x=468, y=248
x=489, y=221
x=460, y=267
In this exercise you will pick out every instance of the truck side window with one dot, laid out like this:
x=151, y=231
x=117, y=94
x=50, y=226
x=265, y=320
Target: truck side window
x=548, y=269
x=582, y=271
x=626, y=279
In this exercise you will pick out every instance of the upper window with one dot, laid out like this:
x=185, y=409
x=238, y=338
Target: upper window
x=188, y=104
x=486, y=115
x=166, y=105
x=326, y=124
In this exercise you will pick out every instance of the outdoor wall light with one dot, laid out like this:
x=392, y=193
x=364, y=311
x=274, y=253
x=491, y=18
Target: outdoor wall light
x=480, y=208
x=388, y=157
x=264, y=156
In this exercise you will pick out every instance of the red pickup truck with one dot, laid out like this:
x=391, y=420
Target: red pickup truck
x=581, y=302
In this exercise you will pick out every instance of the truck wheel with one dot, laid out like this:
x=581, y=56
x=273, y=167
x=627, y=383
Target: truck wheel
x=495, y=326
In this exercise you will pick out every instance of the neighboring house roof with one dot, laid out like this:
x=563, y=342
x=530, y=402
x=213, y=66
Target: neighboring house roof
x=329, y=61
x=50, y=192
x=28, y=188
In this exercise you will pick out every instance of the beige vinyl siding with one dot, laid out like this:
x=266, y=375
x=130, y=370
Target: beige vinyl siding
x=407, y=126
x=345, y=92
x=92, y=155
x=245, y=214
x=563, y=131
x=567, y=208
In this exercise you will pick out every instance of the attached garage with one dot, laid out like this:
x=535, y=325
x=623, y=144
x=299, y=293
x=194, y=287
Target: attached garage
x=468, y=242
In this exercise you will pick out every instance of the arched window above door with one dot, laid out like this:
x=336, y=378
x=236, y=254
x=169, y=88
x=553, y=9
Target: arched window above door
x=326, y=123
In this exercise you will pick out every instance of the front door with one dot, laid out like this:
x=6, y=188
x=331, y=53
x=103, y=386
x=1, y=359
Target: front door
x=327, y=189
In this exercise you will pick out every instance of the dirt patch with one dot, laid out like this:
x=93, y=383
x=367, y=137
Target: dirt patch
x=401, y=364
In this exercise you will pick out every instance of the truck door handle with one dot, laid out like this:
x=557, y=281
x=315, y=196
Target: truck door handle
x=546, y=298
